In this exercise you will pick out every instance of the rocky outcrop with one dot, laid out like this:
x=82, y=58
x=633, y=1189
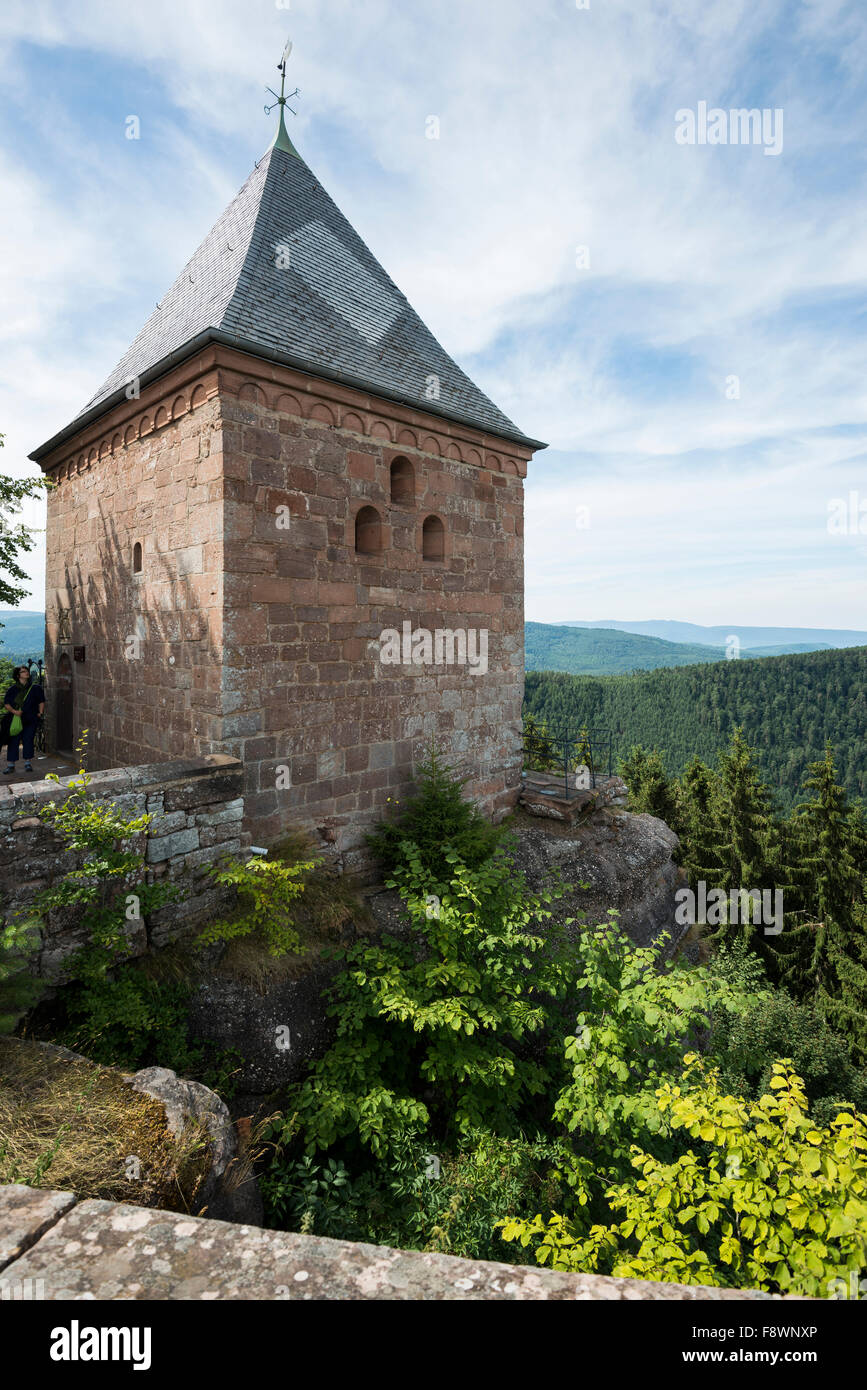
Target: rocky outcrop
x=276, y=1027
x=620, y=860
x=179, y=1146
x=613, y=859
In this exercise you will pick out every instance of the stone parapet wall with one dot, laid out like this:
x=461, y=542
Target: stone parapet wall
x=57, y=1248
x=198, y=810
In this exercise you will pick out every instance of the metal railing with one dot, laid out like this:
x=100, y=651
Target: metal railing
x=579, y=757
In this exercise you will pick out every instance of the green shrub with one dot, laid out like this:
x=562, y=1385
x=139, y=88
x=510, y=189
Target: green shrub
x=762, y=1198
x=414, y=1199
x=108, y=887
x=19, y=989
x=745, y=1046
x=267, y=890
x=114, y=1011
x=634, y=1016
x=436, y=822
x=135, y=1018
x=432, y=1029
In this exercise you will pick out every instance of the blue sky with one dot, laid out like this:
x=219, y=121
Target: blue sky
x=704, y=502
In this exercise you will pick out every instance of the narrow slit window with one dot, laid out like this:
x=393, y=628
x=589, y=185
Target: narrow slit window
x=433, y=539
x=368, y=532
x=402, y=483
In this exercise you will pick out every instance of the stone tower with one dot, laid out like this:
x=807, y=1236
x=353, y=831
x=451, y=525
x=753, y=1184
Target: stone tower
x=288, y=527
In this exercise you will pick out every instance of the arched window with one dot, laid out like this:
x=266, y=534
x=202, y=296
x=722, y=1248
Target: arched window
x=433, y=539
x=368, y=532
x=136, y=558
x=402, y=483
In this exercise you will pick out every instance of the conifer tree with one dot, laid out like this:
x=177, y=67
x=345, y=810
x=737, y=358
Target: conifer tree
x=695, y=801
x=747, y=849
x=651, y=790
x=823, y=959
x=540, y=753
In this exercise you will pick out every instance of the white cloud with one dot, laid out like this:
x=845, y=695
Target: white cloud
x=557, y=130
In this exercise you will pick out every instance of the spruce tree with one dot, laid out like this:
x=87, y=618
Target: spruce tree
x=823, y=951
x=747, y=849
x=651, y=790
x=540, y=752
x=695, y=793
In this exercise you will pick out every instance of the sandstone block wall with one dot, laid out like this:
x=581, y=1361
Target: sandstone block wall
x=326, y=731
x=148, y=688
x=198, y=810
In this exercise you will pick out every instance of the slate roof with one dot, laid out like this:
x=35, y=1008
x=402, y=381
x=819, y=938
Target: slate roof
x=283, y=274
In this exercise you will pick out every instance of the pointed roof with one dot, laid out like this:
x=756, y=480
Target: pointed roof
x=283, y=275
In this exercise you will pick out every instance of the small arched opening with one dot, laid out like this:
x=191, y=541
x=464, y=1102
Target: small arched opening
x=433, y=539
x=402, y=483
x=368, y=532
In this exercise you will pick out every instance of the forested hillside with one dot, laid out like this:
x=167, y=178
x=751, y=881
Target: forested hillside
x=607, y=651
x=789, y=706
x=22, y=634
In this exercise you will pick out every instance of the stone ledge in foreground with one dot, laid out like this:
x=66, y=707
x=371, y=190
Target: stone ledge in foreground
x=113, y=1251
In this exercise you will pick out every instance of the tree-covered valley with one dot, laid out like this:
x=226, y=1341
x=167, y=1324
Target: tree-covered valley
x=788, y=706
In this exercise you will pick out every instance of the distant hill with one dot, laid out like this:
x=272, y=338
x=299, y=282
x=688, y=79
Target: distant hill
x=788, y=705
x=610, y=652
x=780, y=639
x=22, y=634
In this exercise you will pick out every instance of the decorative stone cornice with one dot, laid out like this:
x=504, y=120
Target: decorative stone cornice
x=220, y=371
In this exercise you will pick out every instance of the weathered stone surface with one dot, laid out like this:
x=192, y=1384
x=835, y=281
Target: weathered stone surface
x=103, y=1250
x=555, y=797
x=25, y=1214
x=626, y=861
x=277, y=1031
x=189, y=1101
x=167, y=846
x=202, y=790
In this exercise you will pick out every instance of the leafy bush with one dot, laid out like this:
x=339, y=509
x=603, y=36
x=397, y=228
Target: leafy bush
x=433, y=1030
x=415, y=1199
x=19, y=990
x=267, y=890
x=745, y=1046
x=761, y=1199
x=635, y=1017
x=136, y=1018
x=107, y=888
x=114, y=1011
x=437, y=822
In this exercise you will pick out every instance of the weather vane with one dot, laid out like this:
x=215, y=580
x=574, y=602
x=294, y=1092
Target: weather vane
x=282, y=99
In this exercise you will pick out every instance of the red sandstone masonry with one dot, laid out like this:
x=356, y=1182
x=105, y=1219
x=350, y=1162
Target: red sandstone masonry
x=261, y=641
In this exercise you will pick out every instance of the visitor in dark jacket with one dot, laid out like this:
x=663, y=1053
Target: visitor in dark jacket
x=27, y=700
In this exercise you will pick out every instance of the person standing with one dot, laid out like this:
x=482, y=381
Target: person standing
x=24, y=704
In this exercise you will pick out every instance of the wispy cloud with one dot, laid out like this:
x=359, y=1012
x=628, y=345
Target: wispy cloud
x=706, y=264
